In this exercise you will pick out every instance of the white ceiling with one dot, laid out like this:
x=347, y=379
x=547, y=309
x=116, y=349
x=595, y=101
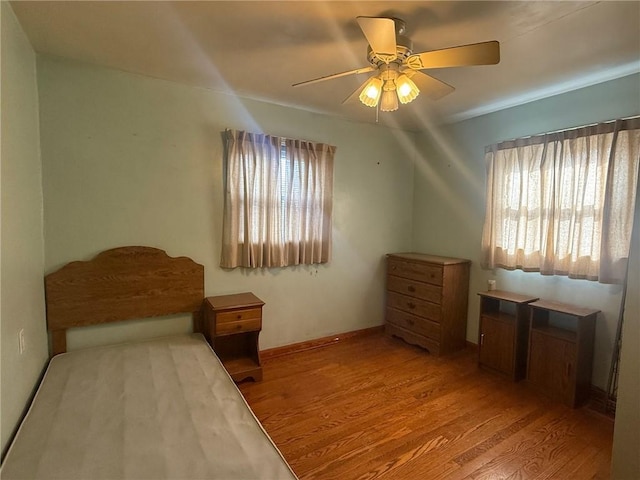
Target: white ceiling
x=258, y=49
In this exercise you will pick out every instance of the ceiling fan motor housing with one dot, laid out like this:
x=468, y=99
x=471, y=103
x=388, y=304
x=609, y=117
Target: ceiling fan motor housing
x=404, y=48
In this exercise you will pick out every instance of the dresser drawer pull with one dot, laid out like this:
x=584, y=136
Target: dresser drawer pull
x=411, y=305
x=411, y=289
x=410, y=322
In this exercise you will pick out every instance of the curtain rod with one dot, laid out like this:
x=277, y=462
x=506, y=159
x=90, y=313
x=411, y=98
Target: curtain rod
x=503, y=143
x=634, y=117
x=281, y=137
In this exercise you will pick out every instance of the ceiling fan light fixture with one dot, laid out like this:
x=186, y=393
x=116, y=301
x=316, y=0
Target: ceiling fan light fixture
x=407, y=90
x=371, y=92
x=389, y=100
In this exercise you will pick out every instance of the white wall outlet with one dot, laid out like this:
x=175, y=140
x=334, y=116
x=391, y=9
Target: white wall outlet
x=21, y=345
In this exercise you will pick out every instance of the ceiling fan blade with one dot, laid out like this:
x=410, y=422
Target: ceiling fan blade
x=356, y=93
x=485, y=53
x=381, y=35
x=430, y=86
x=335, y=75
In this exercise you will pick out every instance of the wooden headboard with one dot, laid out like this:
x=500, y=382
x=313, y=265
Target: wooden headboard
x=121, y=284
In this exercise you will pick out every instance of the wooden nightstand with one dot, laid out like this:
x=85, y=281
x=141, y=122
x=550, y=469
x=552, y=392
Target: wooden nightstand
x=232, y=324
x=503, y=337
x=561, y=356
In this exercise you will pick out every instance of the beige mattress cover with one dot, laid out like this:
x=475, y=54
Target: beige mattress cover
x=161, y=409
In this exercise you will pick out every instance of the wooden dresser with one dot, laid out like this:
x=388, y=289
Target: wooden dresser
x=427, y=299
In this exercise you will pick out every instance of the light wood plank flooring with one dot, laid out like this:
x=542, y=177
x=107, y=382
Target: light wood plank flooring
x=374, y=407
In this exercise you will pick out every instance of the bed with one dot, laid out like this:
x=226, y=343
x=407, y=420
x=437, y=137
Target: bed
x=156, y=409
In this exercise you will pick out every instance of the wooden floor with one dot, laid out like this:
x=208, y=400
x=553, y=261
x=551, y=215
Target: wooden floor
x=375, y=407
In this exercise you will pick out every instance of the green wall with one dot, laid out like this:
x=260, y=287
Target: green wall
x=129, y=160
x=21, y=246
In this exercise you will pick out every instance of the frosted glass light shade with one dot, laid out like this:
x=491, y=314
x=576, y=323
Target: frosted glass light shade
x=407, y=90
x=371, y=92
x=389, y=101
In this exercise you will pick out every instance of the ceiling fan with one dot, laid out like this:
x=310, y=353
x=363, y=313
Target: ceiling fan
x=397, y=69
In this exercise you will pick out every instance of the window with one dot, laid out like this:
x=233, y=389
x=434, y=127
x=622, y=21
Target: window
x=278, y=201
x=563, y=203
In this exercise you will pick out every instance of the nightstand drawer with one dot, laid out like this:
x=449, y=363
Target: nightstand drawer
x=249, y=325
x=239, y=315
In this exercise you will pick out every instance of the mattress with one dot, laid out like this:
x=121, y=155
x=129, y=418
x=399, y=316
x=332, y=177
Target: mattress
x=160, y=409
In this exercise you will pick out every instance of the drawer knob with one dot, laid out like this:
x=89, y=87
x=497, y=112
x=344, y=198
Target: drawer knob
x=411, y=305
x=239, y=316
x=410, y=322
x=411, y=289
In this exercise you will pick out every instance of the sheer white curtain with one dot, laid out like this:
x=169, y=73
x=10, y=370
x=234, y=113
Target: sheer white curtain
x=563, y=203
x=278, y=201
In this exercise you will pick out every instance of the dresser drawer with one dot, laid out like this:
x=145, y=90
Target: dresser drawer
x=414, y=306
x=418, y=325
x=425, y=291
x=416, y=271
